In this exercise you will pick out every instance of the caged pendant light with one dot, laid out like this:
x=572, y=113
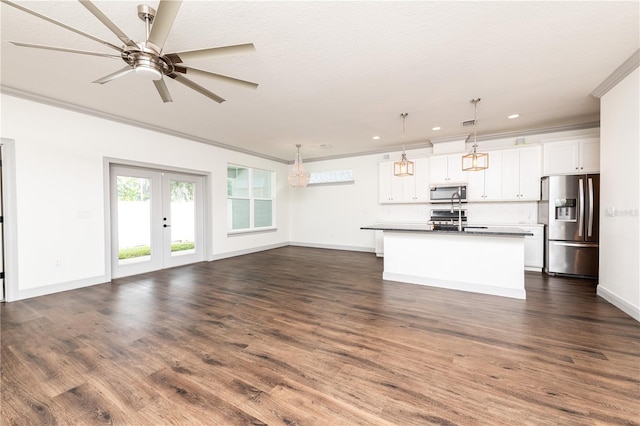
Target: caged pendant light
x=403, y=167
x=298, y=176
x=475, y=161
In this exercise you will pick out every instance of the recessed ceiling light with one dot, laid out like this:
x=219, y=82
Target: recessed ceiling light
x=513, y=116
x=436, y=128
x=375, y=138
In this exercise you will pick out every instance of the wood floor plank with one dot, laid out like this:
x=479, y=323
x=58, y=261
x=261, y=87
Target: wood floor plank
x=304, y=336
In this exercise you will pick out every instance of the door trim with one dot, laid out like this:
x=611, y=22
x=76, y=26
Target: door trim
x=10, y=225
x=108, y=162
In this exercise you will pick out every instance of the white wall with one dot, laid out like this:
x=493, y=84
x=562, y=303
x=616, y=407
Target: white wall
x=619, y=280
x=59, y=163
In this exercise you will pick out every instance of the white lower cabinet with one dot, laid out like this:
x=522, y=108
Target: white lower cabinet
x=534, y=248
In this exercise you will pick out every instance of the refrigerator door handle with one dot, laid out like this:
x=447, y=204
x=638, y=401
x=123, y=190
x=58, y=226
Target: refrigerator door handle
x=580, y=206
x=590, y=226
x=562, y=243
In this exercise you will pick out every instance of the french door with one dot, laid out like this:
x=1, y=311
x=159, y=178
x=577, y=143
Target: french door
x=156, y=220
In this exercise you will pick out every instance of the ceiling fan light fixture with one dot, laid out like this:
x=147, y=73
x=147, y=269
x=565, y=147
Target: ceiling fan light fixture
x=147, y=68
x=148, y=73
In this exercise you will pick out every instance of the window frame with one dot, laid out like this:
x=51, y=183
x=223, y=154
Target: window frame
x=252, y=228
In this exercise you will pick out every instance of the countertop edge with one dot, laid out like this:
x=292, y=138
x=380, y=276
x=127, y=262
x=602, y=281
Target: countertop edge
x=489, y=231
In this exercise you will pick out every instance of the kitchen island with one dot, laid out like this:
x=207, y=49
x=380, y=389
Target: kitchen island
x=478, y=259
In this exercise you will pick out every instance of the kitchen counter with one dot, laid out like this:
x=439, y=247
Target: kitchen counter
x=483, y=260
x=468, y=230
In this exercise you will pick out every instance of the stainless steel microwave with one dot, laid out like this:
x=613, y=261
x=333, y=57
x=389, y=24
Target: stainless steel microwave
x=445, y=193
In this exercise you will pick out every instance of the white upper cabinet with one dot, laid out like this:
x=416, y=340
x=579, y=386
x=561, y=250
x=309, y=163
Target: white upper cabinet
x=572, y=156
x=408, y=189
x=521, y=174
x=446, y=169
x=486, y=185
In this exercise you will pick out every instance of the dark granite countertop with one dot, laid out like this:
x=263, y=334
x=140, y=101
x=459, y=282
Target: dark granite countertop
x=468, y=230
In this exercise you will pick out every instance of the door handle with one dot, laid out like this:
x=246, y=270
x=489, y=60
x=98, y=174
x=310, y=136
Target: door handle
x=580, y=206
x=166, y=226
x=579, y=245
x=590, y=228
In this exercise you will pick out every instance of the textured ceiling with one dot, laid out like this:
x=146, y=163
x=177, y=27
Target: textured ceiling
x=338, y=73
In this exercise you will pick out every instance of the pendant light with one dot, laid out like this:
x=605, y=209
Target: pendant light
x=403, y=167
x=298, y=176
x=475, y=161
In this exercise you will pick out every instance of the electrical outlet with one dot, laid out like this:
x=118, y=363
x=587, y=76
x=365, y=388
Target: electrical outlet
x=57, y=263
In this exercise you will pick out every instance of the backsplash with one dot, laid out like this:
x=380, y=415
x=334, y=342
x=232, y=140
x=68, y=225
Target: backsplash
x=486, y=213
x=503, y=213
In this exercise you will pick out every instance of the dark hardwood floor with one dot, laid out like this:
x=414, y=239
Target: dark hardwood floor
x=301, y=336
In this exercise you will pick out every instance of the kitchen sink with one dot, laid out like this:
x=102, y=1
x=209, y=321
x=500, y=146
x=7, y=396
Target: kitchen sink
x=474, y=227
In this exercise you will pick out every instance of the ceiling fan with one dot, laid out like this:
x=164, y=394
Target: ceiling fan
x=147, y=59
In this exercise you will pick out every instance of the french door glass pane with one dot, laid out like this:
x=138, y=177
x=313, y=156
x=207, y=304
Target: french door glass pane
x=134, y=219
x=238, y=213
x=262, y=213
x=183, y=217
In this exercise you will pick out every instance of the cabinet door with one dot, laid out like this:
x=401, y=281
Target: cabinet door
x=492, y=177
x=529, y=174
x=590, y=155
x=510, y=175
x=421, y=181
x=560, y=158
x=454, y=168
x=438, y=169
x=389, y=186
x=476, y=186
x=534, y=247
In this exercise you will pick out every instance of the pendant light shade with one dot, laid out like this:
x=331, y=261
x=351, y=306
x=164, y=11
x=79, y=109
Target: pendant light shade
x=298, y=176
x=475, y=161
x=403, y=167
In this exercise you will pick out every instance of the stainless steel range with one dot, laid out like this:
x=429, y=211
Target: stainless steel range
x=447, y=219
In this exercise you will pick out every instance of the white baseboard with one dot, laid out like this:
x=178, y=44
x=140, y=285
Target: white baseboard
x=57, y=288
x=332, y=247
x=618, y=302
x=456, y=285
x=229, y=254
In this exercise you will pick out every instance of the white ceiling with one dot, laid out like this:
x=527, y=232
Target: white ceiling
x=338, y=73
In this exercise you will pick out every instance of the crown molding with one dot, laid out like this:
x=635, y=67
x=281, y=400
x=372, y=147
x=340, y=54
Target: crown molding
x=118, y=119
x=618, y=75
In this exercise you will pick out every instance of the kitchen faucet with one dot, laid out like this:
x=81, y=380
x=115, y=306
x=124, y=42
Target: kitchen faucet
x=459, y=194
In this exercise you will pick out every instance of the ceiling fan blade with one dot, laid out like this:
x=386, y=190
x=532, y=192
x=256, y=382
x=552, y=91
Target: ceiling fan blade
x=65, y=26
x=207, y=74
x=190, y=84
x=162, y=22
x=161, y=86
x=107, y=78
x=108, y=23
x=64, y=49
x=180, y=57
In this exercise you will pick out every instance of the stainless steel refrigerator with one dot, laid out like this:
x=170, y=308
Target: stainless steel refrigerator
x=569, y=208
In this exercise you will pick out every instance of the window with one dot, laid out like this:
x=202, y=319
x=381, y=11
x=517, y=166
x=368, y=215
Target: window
x=250, y=198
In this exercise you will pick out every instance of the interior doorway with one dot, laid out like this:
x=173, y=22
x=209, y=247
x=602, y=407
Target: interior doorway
x=157, y=219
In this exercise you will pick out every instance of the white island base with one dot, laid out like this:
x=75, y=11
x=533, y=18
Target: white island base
x=489, y=264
